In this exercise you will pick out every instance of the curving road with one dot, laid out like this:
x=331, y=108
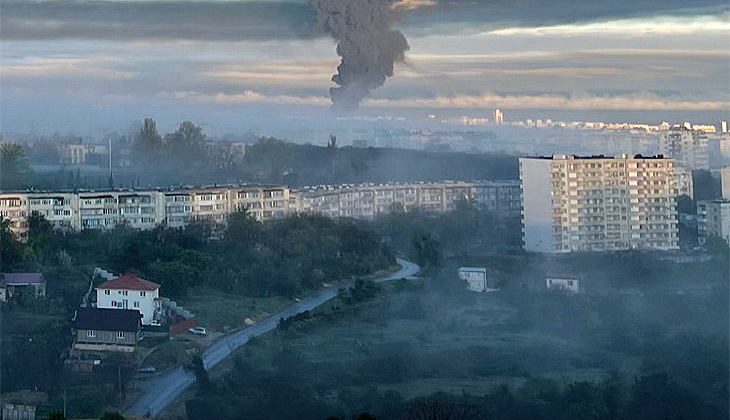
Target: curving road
x=162, y=390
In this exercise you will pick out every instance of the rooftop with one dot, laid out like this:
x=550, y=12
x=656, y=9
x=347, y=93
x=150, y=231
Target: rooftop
x=129, y=281
x=21, y=279
x=128, y=320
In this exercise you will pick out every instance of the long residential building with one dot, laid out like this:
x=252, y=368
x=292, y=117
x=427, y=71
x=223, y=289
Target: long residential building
x=145, y=209
x=598, y=203
x=371, y=200
x=141, y=209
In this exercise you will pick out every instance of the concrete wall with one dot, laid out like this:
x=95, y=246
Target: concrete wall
x=537, y=227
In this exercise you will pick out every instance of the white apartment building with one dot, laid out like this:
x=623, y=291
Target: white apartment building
x=713, y=219
x=598, y=203
x=370, y=200
x=687, y=147
x=685, y=184
x=141, y=209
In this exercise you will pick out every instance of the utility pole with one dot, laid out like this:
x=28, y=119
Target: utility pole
x=64, y=402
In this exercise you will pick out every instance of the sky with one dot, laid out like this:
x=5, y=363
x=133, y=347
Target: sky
x=237, y=66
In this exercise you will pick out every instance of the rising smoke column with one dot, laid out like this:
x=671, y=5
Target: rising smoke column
x=368, y=45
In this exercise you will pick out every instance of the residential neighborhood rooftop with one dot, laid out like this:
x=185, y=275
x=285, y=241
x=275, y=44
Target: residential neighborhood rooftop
x=21, y=279
x=129, y=281
x=99, y=319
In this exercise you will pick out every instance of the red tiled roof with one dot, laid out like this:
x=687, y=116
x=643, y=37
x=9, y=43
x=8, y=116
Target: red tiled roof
x=129, y=281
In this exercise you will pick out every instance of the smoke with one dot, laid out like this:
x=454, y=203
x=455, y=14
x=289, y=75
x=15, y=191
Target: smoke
x=368, y=45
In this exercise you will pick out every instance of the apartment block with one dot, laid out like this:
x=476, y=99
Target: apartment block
x=713, y=219
x=598, y=203
x=370, y=200
x=141, y=209
x=688, y=148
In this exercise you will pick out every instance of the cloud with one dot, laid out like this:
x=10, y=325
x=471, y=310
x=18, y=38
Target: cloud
x=491, y=100
x=639, y=101
x=262, y=20
x=26, y=20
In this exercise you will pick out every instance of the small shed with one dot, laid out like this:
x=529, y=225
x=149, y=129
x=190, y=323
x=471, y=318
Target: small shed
x=570, y=283
x=12, y=282
x=476, y=277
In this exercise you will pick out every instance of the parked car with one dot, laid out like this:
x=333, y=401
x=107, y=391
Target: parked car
x=198, y=331
x=148, y=369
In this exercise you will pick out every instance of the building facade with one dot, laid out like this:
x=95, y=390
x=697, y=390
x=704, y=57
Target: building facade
x=146, y=209
x=687, y=147
x=598, y=203
x=106, y=330
x=141, y=209
x=129, y=291
x=713, y=219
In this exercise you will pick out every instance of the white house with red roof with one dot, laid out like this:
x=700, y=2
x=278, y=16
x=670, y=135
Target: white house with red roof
x=130, y=291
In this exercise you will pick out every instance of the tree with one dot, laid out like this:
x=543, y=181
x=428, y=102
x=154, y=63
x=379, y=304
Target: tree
x=148, y=141
x=188, y=144
x=111, y=415
x=14, y=166
x=686, y=205
x=57, y=415
x=428, y=250
x=11, y=252
x=197, y=366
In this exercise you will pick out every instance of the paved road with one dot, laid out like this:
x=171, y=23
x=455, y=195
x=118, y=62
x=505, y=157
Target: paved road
x=162, y=390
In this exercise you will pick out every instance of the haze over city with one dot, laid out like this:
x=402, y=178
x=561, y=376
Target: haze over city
x=365, y=209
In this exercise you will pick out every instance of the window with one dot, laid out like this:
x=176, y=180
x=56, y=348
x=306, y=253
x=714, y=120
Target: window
x=107, y=292
x=143, y=294
x=136, y=304
x=120, y=334
x=114, y=303
x=91, y=333
x=125, y=293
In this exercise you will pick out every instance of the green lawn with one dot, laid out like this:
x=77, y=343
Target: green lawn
x=219, y=311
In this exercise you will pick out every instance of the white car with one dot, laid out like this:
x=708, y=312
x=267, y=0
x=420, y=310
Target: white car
x=198, y=331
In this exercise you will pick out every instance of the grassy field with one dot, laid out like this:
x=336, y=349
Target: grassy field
x=418, y=342
x=219, y=311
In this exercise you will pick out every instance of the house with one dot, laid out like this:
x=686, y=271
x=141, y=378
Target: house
x=563, y=282
x=130, y=291
x=476, y=278
x=11, y=282
x=115, y=330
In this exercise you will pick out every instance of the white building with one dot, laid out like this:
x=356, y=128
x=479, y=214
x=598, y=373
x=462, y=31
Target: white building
x=129, y=291
x=498, y=116
x=725, y=182
x=685, y=184
x=568, y=283
x=476, y=278
x=713, y=219
x=598, y=203
x=141, y=209
x=686, y=146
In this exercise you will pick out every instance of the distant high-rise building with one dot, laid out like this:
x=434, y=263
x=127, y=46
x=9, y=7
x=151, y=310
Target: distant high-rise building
x=686, y=146
x=498, y=116
x=599, y=203
x=725, y=181
x=723, y=126
x=713, y=219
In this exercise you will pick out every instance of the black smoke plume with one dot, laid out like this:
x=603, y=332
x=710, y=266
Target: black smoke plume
x=367, y=43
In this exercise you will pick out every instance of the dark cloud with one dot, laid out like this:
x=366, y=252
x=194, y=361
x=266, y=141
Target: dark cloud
x=261, y=20
x=21, y=20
